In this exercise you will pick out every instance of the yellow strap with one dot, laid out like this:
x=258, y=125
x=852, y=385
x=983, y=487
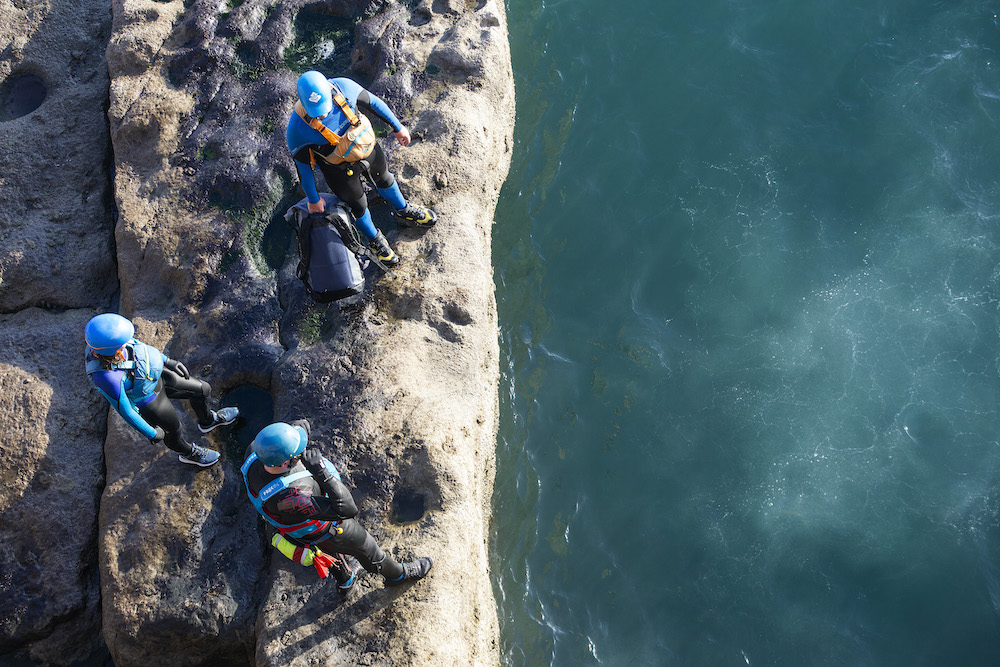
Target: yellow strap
x=318, y=125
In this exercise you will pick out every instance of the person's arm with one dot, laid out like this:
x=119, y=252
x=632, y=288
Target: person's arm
x=308, y=181
x=111, y=384
x=372, y=104
x=338, y=503
x=298, y=145
x=294, y=506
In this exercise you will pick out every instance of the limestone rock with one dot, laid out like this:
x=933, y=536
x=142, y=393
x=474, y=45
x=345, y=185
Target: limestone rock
x=401, y=386
x=52, y=470
x=55, y=222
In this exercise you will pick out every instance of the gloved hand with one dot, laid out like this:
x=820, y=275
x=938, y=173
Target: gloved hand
x=303, y=424
x=158, y=436
x=177, y=367
x=313, y=461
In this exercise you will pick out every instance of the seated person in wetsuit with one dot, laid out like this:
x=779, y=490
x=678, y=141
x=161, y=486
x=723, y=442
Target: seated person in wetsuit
x=300, y=494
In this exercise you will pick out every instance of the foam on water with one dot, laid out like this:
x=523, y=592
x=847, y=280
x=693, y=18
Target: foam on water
x=750, y=372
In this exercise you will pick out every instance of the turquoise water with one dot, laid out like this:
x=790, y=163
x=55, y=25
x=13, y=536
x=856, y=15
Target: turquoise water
x=748, y=276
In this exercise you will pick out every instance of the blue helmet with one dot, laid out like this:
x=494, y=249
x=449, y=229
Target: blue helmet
x=278, y=442
x=314, y=93
x=106, y=333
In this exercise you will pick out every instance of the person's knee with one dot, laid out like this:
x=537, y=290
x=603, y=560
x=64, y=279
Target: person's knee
x=359, y=206
x=206, y=389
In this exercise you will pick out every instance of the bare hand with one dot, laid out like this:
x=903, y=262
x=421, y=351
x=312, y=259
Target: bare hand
x=403, y=136
x=318, y=207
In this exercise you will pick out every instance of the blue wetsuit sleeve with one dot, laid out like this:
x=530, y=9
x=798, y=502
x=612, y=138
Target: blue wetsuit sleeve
x=111, y=384
x=308, y=181
x=380, y=109
x=297, y=138
x=356, y=95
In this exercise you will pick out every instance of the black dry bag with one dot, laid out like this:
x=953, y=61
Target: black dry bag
x=327, y=266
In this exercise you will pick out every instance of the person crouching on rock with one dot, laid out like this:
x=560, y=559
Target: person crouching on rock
x=300, y=493
x=138, y=380
x=327, y=130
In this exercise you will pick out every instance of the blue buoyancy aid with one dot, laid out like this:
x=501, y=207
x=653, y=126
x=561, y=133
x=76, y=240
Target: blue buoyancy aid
x=306, y=531
x=143, y=366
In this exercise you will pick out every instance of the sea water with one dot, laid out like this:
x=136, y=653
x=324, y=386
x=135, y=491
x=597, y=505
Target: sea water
x=747, y=271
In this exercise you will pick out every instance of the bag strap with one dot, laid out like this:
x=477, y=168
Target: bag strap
x=305, y=248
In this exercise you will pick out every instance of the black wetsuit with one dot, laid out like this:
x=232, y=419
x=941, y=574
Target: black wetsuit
x=139, y=387
x=160, y=411
x=305, y=500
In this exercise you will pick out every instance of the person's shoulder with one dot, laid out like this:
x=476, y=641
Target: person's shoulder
x=138, y=344
x=349, y=87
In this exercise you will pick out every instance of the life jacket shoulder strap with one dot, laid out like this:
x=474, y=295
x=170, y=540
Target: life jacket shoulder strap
x=277, y=485
x=317, y=124
x=341, y=101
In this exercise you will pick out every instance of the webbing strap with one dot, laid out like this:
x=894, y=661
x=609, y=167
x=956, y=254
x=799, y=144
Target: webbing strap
x=316, y=124
x=346, y=108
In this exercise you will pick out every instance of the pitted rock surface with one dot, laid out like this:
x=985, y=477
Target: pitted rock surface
x=55, y=220
x=52, y=474
x=400, y=386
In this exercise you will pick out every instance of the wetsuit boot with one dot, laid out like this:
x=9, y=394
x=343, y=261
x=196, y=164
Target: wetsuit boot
x=412, y=571
x=416, y=216
x=381, y=248
x=344, y=574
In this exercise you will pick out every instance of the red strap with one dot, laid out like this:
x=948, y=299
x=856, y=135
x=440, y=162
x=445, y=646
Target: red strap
x=323, y=563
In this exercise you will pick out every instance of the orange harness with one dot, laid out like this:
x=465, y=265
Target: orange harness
x=359, y=140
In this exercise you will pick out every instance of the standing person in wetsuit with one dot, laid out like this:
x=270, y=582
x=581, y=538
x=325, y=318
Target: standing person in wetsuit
x=138, y=380
x=326, y=130
x=300, y=493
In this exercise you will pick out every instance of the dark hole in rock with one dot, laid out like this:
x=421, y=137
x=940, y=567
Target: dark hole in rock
x=408, y=506
x=256, y=411
x=247, y=52
x=21, y=94
x=274, y=243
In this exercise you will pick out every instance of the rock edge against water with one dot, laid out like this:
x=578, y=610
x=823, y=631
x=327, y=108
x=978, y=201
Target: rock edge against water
x=167, y=561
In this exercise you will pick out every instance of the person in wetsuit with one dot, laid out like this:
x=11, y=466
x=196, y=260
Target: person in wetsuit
x=300, y=494
x=138, y=380
x=310, y=147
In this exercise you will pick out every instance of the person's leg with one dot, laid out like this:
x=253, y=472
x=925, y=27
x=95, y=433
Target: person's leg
x=160, y=412
x=378, y=167
x=349, y=190
x=358, y=542
x=411, y=214
x=190, y=389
